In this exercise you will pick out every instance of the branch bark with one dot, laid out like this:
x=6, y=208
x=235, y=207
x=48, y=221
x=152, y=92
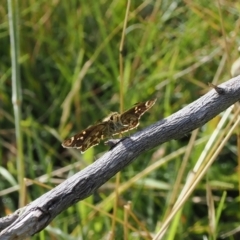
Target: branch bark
x=38, y=214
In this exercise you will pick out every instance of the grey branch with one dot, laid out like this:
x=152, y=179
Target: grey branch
x=39, y=213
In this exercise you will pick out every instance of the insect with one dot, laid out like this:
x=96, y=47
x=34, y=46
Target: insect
x=113, y=124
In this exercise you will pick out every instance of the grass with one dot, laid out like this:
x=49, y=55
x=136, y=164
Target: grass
x=70, y=78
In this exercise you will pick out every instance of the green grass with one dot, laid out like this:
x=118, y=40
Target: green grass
x=70, y=78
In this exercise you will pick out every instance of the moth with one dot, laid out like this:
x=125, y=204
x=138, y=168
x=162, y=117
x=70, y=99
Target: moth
x=113, y=124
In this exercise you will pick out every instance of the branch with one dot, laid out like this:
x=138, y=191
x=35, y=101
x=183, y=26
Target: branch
x=39, y=213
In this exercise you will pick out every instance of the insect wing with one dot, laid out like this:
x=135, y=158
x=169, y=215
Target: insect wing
x=131, y=117
x=87, y=138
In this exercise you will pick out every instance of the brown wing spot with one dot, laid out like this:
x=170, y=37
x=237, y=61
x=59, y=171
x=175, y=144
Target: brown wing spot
x=89, y=144
x=97, y=134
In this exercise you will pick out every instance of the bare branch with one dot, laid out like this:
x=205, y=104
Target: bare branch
x=39, y=213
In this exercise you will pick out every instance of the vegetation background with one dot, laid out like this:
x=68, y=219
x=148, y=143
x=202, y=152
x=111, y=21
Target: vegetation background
x=69, y=71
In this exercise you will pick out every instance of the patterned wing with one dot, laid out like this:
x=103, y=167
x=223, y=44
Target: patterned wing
x=130, y=118
x=114, y=124
x=88, y=137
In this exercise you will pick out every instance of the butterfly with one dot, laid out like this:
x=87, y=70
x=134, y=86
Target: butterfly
x=113, y=124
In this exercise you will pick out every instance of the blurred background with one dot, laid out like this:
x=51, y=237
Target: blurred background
x=70, y=79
